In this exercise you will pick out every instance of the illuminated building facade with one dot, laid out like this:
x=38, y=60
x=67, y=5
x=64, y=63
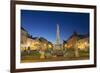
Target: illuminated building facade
x=34, y=43
x=77, y=41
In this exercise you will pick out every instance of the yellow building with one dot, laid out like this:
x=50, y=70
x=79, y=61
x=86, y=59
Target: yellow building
x=34, y=43
x=77, y=41
x=83, y=44
x=23, y=36
x=50, y=45
x=70, y=43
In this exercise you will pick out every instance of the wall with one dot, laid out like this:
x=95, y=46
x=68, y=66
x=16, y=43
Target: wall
x=5, y=36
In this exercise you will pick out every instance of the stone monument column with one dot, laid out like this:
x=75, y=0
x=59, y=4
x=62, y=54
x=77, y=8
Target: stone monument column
x=58, y=35
x=58, y=45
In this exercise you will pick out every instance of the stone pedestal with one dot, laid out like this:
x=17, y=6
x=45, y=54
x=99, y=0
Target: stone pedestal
x=76, y=52
x=58, y=46
x=42, y=55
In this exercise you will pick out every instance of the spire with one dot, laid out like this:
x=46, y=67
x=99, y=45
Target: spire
x=58, y=35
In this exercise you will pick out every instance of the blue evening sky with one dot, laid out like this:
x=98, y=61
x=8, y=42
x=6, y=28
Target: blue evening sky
x=44, y=23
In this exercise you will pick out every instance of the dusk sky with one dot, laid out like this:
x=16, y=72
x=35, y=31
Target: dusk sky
x=44, y=23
